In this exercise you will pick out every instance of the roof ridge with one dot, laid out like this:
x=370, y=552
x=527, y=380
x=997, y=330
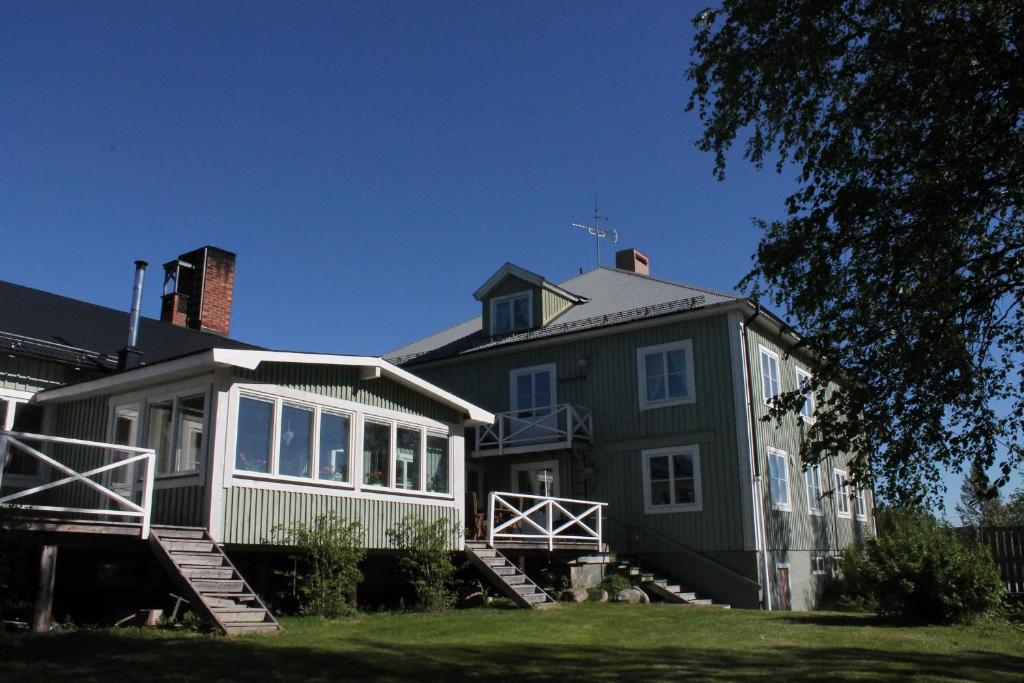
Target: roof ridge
x=668, y=282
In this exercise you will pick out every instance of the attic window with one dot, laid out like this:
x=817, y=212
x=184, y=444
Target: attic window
x=512, y=312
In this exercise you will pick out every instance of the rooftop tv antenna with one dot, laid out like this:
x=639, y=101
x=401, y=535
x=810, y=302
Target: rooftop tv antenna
x=597, y=231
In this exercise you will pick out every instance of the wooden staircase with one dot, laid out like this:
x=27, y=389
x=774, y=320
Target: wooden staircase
x=211, y=583
x=661, y=588
x=507, y=577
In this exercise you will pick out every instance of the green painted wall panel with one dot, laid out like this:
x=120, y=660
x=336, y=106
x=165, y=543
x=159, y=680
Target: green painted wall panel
x=84, y=419
x=29, y=374
x=344, y=383
x=250, y=514
x=607, y=384
x=796, y=529
x=180, y=506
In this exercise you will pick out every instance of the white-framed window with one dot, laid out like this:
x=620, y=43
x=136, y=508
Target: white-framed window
x=176, y=428
x=665, y=374
x=821, y=565
x=803, y=380
x=842, y=492
x=292, y=439
x=17, y=414
x=536, y=478
x=812, y=483
x=860, y=502
x=511, y=312
x=533, y=390
x=671, y=479
x=778, y=479
x=125, y=423
x=771, y=383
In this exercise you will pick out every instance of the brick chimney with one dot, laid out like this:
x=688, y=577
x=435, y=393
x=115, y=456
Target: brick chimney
x=199, y=290
x=633, y=261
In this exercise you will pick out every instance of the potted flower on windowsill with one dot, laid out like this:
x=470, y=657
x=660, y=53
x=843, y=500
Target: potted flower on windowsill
x=375, y=478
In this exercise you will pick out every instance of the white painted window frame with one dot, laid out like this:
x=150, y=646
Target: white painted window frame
x=786, y=506
x=842, y=493
x=763, y=351
x=815, y=503
x=860, y=504
x=515, y=373
x=646, y=455
x=358, y=413
x=685, y=345
x=12, y=399
x=495, y=301
x=824, y=562
x=801, y=375
x=113, y=409
x=543, y=464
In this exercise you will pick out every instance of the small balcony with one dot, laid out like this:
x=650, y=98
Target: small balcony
x=553, y=428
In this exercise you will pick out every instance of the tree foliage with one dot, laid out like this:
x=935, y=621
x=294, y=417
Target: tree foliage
x=425, y=560
x=901, y=254
x=982, y=505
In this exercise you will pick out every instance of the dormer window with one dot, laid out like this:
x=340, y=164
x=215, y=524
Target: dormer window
x=512, y=312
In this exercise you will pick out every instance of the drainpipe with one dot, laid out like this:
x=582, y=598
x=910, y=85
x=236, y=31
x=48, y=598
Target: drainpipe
x=760, y=534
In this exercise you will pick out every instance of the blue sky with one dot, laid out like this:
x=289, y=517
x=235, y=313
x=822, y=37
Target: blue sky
x=370, y=163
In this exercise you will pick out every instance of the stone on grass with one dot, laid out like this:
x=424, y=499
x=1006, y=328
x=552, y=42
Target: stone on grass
x=599, y=596
x=632, y=596
x=574, y=595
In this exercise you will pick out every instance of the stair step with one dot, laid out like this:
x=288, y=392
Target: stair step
x=483, y=553
x=189, y=546
x=688, y=596
x=634, y=571
x=525, y=589
x=515, y=579
x=171, y=532
x=476, y=544
x=672, y=588
x=207, y=572
x=702, y=601
x=209, y=559
x=246, y=616
x=505, y=571
x=494, y=561
x=546, y=605
x=647, y=578
x=536, y=597
x=235, y=629
x=218, y=586
x=228, y=603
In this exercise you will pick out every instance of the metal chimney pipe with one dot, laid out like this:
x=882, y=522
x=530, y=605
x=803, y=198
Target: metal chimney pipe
x=133, y=320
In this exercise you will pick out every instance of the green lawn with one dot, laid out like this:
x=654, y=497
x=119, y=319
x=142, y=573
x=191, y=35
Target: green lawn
x=585, y=642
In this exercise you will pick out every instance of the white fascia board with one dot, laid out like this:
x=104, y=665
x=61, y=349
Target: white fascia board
x=527, y=276
x=123, y=381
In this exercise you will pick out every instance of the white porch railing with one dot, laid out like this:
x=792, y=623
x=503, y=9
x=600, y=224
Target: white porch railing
x=9, y=441
x=519, y=431
x=523, y=517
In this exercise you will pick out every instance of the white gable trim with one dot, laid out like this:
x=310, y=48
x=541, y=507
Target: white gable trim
x=527, y=276
x=250, y=360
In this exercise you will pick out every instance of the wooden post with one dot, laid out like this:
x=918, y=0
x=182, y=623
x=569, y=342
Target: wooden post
x=42, y=614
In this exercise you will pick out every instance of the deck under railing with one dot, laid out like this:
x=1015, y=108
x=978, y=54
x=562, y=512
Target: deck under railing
x=541, y=429
x=544, y=520
x=51, y=475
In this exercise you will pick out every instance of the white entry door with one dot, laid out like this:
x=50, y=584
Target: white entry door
x=533, y=399
x=125, y=432
x=536, y=479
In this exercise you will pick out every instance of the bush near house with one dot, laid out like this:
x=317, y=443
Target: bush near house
x=920, y=570
x=425, y=561
x=328, y=553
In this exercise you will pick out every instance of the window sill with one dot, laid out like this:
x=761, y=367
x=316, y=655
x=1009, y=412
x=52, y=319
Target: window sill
x=406, y=492
x=816, y=513
x=664, y=509
x=285, y=479
x=667, y=403
x=171, y=476
x=782, y=508
x=844, y=515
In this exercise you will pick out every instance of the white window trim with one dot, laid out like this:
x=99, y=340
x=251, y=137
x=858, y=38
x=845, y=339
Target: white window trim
x=528, y=295
x=645, y=456
x=860, y=506
x=820, y=511
x=842, y=492
x=543, y=464
x=800, y=374
x=514, y=374
x=358, y=413
x=765, y=351
x=174, y=397
x=788, y=505
x=825, y=561
x=641, y=375
x=14, y=398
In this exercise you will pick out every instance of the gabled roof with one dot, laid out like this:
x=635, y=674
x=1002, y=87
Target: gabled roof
x=250, y=359
x=612, y=297
x=64, y=330
x=527, y=276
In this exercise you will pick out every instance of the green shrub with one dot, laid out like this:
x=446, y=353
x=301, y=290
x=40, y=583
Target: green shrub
x=327, y=563
x=921, y=570
x=613, y=583
x=425, y=560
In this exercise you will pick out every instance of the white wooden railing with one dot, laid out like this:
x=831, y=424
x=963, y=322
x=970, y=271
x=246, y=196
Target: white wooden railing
x=11, y=441
x=523, y=430
x=523, y=517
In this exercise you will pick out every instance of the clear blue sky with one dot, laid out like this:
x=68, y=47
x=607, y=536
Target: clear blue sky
x=370, y=163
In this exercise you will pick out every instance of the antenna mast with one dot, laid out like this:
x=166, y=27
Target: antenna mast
x=597, y=231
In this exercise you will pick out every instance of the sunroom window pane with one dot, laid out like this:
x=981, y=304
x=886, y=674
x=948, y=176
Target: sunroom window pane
x=437, y=464
x=376, y=454
x=334, y=433
x=160, y=436
x=191, y=413
x=295, y=443
x=407, y=459
x=255, y=426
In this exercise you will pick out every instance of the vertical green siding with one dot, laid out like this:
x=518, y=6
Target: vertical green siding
x=796, y=529
x=29, y=374
x=608, y=386
x=250, y=514
x=344, y=383
x=83, y=419
x=180, y=506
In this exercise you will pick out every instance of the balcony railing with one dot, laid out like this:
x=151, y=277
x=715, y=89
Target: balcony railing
x=528, y=519
x=541, y=429
x=116, y=457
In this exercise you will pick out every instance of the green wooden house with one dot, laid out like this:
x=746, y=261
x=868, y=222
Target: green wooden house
x=648, y=397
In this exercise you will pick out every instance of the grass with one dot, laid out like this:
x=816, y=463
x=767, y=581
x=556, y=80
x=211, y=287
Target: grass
x=593, y=642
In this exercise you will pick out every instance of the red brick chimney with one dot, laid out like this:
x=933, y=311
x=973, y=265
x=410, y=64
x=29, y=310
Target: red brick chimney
x=633, y=261
x=199, y=290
